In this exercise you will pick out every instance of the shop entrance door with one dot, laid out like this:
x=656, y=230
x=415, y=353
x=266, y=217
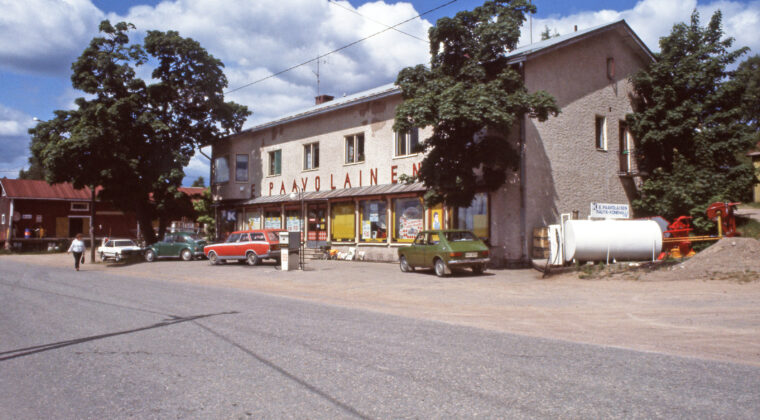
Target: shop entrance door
x=316, y=216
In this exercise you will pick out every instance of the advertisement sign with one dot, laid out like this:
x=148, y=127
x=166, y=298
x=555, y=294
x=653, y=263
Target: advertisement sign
x=610, y=211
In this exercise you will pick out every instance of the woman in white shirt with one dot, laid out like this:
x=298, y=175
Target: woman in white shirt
x=77, y=248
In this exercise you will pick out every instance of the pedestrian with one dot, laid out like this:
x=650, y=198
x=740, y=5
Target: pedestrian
x=77, y=248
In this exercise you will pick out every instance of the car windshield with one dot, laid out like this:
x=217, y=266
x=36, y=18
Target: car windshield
x=124, y=243
x=233, y=238
x=193, y=237
x=460, y=236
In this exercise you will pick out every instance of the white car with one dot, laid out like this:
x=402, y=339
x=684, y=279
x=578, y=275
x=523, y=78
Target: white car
x=118, y=249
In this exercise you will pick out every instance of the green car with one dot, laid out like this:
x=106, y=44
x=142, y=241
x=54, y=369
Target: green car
x=443, y=250
x=185, y=245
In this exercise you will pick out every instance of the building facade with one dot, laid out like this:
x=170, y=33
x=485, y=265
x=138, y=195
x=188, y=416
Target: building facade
x=340, y=164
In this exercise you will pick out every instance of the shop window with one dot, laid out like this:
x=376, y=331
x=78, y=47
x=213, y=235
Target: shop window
x=436, y=217
x=221, y=170
x=275, y=162
x=372, y=221
x=408, y=218
x=311, y=156
x=80, y=206
x=601, y=133
x=293, y=220
x=343, y=222
x=355, y=148
x=272, y=220
x=407, y=142
x=253, y=219
x=475, y=217
x=241, y=168
x=228, y=223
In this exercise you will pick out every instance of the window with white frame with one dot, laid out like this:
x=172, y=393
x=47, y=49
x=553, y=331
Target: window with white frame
x=601, y=133
x=311, y=156
x=241, y=168
x=355, y=148
x=626, y=146
x=275, y=162
x=80, y=206
x=221, y=170
x=407, y=142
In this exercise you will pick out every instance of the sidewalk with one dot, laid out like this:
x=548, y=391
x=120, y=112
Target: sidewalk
x=707, y=319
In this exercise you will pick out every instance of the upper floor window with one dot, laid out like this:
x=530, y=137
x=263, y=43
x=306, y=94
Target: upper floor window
x=241, y=168
x=355, y=148
x=626, y=146
x=601, y=133
x=407, y=142
x=275, y=162
x=311, y=156
x=80, y=206
x=221, y=170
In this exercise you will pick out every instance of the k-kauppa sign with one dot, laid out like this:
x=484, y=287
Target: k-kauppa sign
x=610, y=211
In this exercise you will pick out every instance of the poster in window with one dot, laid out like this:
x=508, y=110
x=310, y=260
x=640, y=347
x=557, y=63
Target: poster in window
x=272, y=221
x=409, y=218
x=366, y=229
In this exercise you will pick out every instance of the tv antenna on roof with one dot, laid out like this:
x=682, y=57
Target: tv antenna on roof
x=316, y=73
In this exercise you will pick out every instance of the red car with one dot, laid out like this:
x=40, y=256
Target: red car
x=250, y=246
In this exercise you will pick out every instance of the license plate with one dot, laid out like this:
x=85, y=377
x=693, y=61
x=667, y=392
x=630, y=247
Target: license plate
x=470, y=254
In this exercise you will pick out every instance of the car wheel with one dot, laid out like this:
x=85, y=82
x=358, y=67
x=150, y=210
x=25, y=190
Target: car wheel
x=150, y=255
x=212, y=258
x=404, y=265
x=252, y=259
x=478, y=269
x=277, y=261
x=440, y=267
x=186, y=255
x=117, y=257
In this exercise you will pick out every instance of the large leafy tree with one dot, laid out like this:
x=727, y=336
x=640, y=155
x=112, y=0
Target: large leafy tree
x=748, y=78
x=134, y=137
x=688, y=125
x=472, y=98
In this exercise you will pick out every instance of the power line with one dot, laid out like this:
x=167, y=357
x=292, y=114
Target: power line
x=338, y=49
x=333, y=2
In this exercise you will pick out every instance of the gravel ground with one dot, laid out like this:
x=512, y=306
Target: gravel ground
x=710, y=319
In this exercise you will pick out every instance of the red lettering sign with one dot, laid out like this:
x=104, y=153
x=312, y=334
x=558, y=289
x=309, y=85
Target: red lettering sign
x=332, y=184
x=373, y=177
x=394, y=170
x=317, y=183
x=347, y=182
x=271, y=187
x=304, y=181
x=360, y=178
x=282, y=188
x=416, y=168
x=295, y=186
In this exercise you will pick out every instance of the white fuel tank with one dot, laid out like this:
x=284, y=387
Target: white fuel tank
x=599, y=240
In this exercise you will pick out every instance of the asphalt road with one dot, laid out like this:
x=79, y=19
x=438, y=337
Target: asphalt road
x=96, y=345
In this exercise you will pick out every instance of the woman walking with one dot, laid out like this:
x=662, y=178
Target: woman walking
x=77, y=248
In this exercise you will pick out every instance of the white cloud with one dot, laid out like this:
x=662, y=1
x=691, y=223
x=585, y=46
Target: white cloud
x=45, y=36
x=652, y=19
x=14, y=140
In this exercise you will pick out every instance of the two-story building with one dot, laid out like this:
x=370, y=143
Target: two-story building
x=339, y=162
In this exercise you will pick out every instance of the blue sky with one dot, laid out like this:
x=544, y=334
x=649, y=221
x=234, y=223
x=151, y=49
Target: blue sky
x=39, y=39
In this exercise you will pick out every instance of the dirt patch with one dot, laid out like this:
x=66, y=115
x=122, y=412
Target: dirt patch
x=735, y=259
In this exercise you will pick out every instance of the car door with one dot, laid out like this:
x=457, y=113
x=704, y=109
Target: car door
x=176, y=246
x=242, y=246
x=259, y=243
x=227, y=249
x=415, y=254
x=164, y=247
x=434, y=247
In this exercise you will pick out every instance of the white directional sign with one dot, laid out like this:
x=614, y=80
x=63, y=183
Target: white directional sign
x=610, y=211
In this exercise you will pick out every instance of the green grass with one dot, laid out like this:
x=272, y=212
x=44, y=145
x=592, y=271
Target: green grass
x=748, y=228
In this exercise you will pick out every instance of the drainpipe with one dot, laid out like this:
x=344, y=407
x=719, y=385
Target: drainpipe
x=523, y=217
x=92, y=224
x=10, y=228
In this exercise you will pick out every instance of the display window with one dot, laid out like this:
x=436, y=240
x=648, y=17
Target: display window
x=272, y=219
x=435, y=217
x=372, y=221
x=408, y=218
x=253, y=219
x=228, y=222
x=343, y=222
x=293, y=220
x=475, y=217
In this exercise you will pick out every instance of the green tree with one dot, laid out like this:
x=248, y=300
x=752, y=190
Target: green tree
x=205, y=212
x=131, y=137
x=200, y=182
x=472, y=98
x=688, y=125
x=35, y=170
x=547, y=33
x=748, y=78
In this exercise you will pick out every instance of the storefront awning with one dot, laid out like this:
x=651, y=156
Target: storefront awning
x=385, y=189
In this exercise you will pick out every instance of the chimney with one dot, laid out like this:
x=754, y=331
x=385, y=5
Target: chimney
x=322, y=99
x=575, y=28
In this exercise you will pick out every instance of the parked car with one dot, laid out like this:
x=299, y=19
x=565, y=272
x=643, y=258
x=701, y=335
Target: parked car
x=185, y=245
x=443, y=250
x=250, y=246
x=118, y=249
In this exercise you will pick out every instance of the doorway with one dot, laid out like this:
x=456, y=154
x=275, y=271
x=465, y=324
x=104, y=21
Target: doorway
x=316, y=215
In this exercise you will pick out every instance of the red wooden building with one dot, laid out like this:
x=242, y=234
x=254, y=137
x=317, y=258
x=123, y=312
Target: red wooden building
x=35, y=213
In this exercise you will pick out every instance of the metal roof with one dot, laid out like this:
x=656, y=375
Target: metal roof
x=41, y=190
x=384, y=189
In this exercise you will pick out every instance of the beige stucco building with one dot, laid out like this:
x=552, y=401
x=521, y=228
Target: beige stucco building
x=345, y=157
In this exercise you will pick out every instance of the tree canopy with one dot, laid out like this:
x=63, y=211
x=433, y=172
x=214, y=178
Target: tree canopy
x=134, y=137
x=472, y=98
x=688, y=125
